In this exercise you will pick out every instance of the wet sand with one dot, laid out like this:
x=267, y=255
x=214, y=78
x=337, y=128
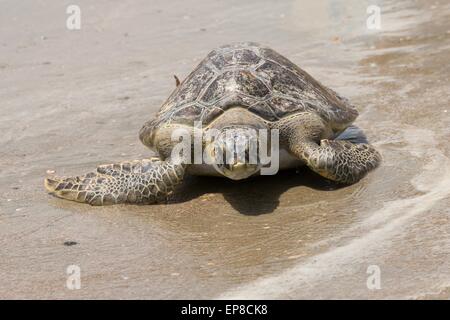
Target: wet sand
x=71, y=100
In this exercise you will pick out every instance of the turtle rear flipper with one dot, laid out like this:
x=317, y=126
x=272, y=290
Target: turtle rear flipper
x=353, y=134
x=139, y=181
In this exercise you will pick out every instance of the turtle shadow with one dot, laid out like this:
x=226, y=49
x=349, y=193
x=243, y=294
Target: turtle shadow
x=255, y=196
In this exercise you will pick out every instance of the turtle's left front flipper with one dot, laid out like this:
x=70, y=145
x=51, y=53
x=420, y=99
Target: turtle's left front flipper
x=341, y=161
x=345, y=160
x=140, y=181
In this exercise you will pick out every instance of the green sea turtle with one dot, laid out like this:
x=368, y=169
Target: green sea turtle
x=236, y=90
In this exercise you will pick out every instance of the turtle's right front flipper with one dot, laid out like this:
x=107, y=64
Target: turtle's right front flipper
x=140, y=181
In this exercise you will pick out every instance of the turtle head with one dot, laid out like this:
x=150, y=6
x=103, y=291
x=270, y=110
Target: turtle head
x=234, y=152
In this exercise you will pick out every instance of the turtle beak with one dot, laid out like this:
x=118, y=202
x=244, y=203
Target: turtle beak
x=240, y=170
x=238, y=167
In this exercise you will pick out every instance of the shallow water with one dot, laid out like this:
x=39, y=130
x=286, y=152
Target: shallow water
x=71, y=100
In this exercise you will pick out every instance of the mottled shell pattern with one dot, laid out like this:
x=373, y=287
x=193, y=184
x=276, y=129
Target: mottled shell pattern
x=253, y=77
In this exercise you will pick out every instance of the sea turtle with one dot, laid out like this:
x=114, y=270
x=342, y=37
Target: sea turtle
x=238, y=89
